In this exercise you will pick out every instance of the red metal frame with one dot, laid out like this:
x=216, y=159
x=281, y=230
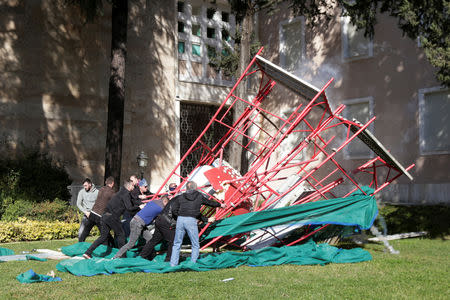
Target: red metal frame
x=314, y=158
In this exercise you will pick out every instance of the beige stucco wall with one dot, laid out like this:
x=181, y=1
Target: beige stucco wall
x=54, y=85
x=151, y=118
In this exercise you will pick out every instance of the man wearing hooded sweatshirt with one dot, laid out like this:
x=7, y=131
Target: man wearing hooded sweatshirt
x=188, y=211
x=85, y=201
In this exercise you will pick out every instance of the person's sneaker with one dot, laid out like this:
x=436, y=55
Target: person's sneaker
x=86, y=256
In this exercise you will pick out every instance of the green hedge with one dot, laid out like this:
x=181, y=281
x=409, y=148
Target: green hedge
x=28, y=230
x=32, y=230
x=56, y=210
x=37, y=175
x=31, y=176
x=434, y=218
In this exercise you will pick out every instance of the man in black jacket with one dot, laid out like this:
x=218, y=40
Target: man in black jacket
x=138, y=193
x=187, y=210
x=164, y=229
x=120, y=202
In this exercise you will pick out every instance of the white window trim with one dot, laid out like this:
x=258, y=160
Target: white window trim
x=421, y=94
x=369, y=99
x=345, y=21
x=283, y=41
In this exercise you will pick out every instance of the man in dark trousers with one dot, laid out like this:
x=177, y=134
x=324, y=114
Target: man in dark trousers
x=111, y=218
x=187, y=210
x=139, y=223
x=127, y=216
x=140, y=192
x=104, y=195
x=164, y=229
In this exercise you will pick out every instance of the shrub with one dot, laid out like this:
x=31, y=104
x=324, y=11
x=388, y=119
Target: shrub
x=56, y=210
x=433, y=218
x=33, y=176
x=28, y=230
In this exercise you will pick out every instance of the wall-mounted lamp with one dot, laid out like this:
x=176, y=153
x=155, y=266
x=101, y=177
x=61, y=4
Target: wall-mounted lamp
x=142, y=161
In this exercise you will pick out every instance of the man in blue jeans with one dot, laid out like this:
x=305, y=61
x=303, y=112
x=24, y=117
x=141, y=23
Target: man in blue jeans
x=187, y=208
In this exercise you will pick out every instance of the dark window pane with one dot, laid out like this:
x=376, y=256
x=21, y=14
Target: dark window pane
x=196, y=30
x=181, y=47
x=210, y=13
x=211, y=51
x=225, y=16
x=180, y=27
x=180, y=6
x=210, y=32
x=226, y=35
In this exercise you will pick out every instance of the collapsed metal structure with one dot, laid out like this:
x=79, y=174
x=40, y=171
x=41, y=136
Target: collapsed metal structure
x=292, y=159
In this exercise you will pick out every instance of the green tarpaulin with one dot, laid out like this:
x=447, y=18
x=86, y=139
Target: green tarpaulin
x=356, y=210
x=30, y=277
x=101, y=251
x=306, y=254
x=34, y=257
x=6, y=251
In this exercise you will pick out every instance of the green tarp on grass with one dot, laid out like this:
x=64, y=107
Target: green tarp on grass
x=101, y=251
x=356, y=210
x=6, y=251
x=306, y=254
x=31, y=277
x=34, y=257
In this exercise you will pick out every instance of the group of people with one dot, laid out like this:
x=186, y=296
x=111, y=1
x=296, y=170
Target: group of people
x=125, y=213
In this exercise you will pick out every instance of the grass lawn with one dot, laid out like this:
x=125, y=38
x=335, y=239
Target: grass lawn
x=420, y=271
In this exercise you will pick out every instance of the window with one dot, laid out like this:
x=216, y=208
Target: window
x=226, y=36
x=354, y=44
x=210, y=13
x=196, y=30
x=225, y=16
x=181, y=47
x=211, y=51
x=196, y=49
x=434, y=121
x=294, y=138
x=193, y=120
x=362, y=110
x=180, y=6
x=210, y=33
x=180, y=27
x=203, y=30
x=196, y=10
x=292, y=43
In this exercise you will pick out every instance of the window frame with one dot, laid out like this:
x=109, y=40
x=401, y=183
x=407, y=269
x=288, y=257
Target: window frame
x=345, y=22
x=283, y=41
x=421, y=95
x=348, y=102
x=299, y=136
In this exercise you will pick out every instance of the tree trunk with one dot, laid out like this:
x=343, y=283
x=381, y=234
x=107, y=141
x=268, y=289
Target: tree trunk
x=116, y=98
x=238, y=157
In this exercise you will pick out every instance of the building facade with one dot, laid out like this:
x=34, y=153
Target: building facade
x=55, y=73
